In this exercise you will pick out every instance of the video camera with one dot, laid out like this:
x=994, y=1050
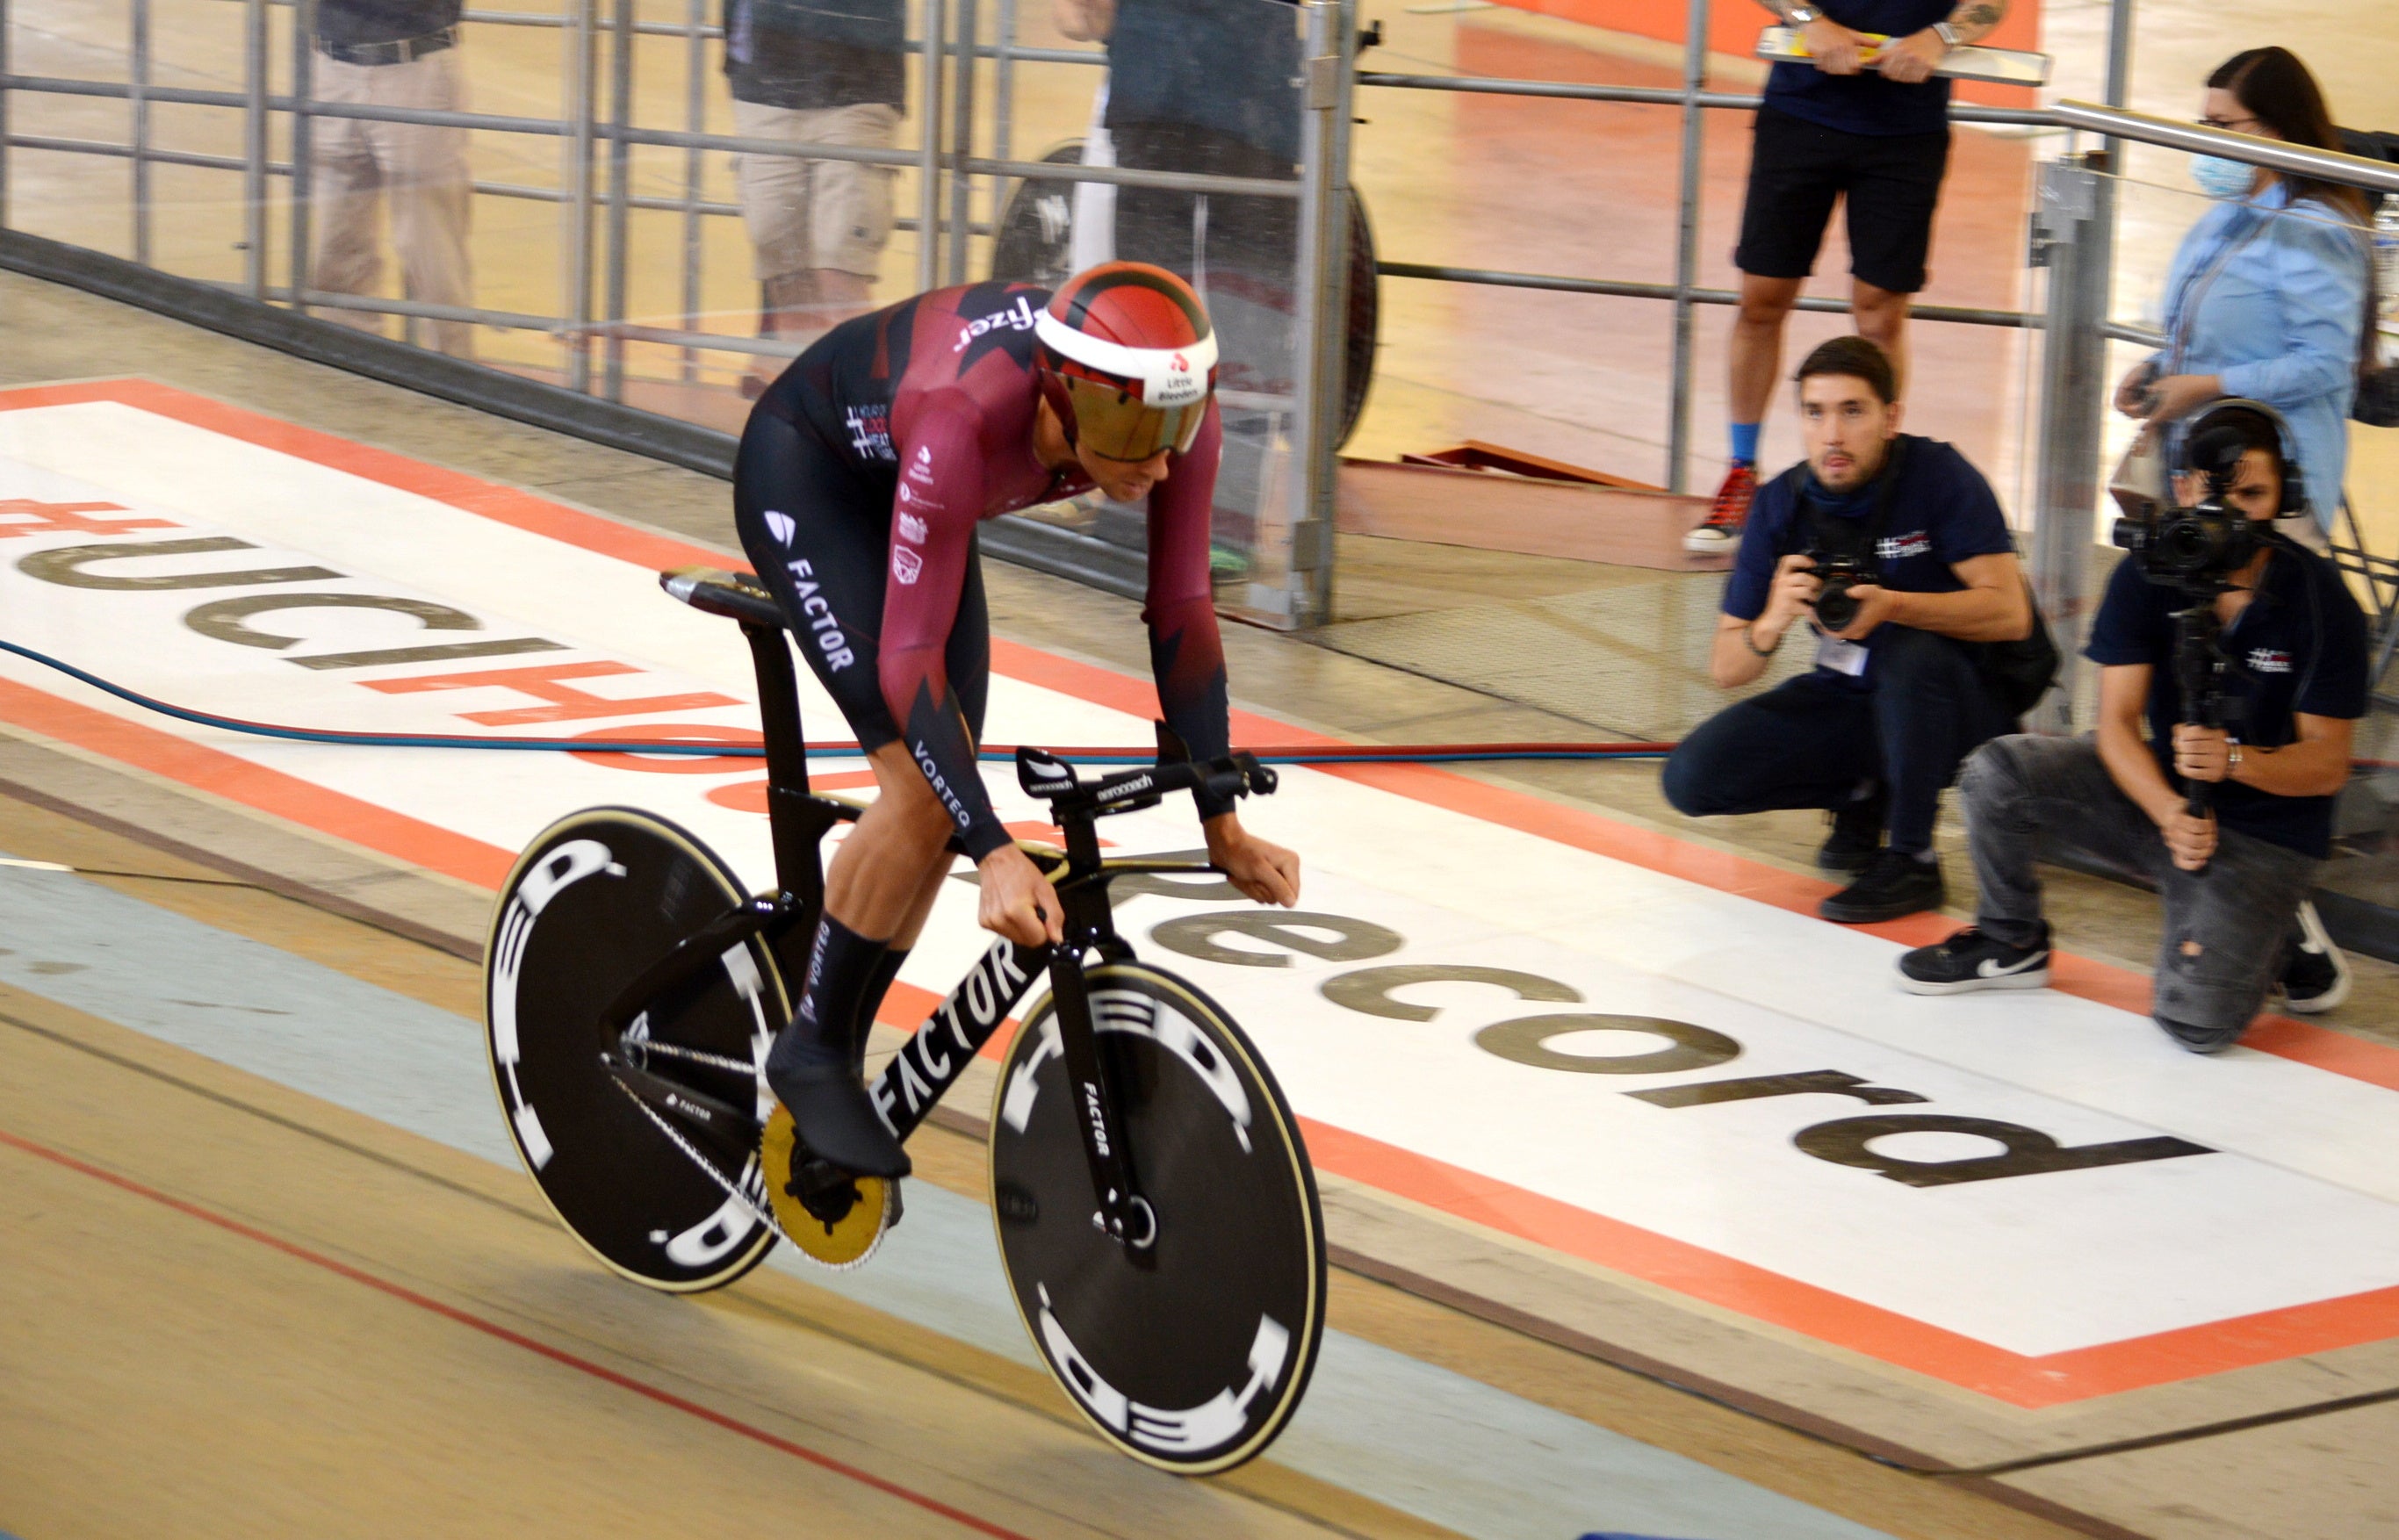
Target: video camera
x=2196, y=548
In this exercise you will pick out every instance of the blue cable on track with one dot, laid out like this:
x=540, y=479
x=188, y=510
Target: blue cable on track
x=1348, y=754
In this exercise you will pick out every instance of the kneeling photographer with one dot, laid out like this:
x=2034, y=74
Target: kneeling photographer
x=1893, y=551
x=2248, y=657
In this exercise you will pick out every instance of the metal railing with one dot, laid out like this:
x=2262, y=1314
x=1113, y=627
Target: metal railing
x=965, y=153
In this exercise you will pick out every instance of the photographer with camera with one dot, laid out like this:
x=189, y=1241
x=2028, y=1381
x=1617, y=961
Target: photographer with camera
x=2249, y=657
x=1893, y=551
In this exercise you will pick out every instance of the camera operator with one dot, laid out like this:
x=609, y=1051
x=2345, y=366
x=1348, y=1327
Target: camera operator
x=1892, y=548
x=2249, y=657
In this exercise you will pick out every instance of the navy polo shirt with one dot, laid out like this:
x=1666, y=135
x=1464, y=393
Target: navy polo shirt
x=2300, y=646
x=1941, y=512
x=1865, y=102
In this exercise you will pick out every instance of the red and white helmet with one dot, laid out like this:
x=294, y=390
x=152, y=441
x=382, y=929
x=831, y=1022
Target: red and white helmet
x=1127, y=360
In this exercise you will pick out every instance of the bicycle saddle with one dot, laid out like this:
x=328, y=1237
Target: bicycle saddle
x=736, y=595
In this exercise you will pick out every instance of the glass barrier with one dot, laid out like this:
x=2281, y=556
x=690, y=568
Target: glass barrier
x=1189, y=88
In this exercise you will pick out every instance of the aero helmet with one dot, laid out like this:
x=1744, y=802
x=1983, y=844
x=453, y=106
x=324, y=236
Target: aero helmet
x=1127, y=360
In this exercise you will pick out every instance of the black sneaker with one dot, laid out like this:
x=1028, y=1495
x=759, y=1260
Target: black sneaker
x=1857, y=834
x=1972, y=960
x=2315, y=976
x=1893, y=884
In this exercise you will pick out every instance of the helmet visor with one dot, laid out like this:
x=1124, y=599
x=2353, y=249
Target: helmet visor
x=1117, y=425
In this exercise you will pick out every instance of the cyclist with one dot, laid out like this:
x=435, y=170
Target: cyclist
x=861, y=474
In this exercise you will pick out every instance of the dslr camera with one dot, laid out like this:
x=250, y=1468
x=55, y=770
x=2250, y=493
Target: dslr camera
x=1840, y=572
x=2196, y=548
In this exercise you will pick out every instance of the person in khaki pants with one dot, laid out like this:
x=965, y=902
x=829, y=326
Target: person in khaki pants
x=392, y=53
x=814, y=72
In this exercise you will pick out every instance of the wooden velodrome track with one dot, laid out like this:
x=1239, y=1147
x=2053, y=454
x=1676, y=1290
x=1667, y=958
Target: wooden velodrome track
x=236, y=1309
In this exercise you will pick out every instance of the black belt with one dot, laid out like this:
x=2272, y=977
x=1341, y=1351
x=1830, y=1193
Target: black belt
x=401, y=52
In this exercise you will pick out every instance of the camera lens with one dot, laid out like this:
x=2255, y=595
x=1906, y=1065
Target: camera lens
x=1835, y=607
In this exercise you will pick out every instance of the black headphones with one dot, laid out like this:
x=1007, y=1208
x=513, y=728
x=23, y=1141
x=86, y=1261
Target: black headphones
x=2220, y=434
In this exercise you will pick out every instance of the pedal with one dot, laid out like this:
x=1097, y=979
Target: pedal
x=836, y=1219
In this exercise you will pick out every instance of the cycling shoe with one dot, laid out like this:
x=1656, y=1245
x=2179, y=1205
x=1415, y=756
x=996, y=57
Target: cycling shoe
x=837, y=1119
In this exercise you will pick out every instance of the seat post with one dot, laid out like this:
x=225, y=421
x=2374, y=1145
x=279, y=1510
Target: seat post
x=798, y=824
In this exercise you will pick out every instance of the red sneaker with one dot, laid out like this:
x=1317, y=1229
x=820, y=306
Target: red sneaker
x=1721, y=531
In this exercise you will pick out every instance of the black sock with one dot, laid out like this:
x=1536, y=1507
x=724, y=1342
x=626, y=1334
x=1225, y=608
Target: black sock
x=825, y=1028
x=879, y=985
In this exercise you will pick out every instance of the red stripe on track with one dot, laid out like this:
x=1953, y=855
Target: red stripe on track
x=516, y=1338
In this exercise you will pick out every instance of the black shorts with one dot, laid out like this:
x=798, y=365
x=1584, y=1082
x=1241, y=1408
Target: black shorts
x=1893, y=184
x=840, y=543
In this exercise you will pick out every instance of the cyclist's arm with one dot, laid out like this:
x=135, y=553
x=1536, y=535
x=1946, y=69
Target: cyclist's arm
x=1187, y=655
x=941, y=473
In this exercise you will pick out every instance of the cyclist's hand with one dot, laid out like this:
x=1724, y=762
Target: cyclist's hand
x=1261, y=869
x=1018, y=902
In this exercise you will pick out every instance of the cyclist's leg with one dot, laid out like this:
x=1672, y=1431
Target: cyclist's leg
x=818, y=537
x=968, y=662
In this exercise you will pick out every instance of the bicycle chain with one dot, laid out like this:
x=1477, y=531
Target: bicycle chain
x=698, y=1056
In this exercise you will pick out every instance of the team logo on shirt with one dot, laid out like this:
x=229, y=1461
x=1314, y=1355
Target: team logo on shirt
x=911, y=527
x=779, y=525
x=2269, y=660
x=1018, y=317
x=870, y=431
x=906, y=565
x=1899, y=548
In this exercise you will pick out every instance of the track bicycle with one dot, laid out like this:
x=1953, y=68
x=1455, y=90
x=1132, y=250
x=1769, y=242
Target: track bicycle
x=1156, y=1214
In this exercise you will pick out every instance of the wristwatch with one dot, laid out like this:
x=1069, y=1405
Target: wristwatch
x=1947, y=34
x=2232, y=762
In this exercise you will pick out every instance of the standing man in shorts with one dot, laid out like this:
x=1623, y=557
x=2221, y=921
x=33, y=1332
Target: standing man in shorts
x=1863, y=123
x=814, y=72
x=860, y=479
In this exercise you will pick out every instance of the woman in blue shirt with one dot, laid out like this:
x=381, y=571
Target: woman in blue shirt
x=2269, y=293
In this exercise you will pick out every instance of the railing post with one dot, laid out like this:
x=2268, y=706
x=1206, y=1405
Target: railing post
x=139, y=81
x=929, y=158
x=694, y=171
x=3, y=116
x=304, y=86
x=962, y=141
x=1293, y=581
x=582, y=68
x=1686, y=248
x=253, y=144
x=1003, y=104
x=2070, y=238
x=620, y=170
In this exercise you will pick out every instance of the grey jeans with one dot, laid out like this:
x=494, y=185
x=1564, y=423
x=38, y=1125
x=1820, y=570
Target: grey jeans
x=2030, y=798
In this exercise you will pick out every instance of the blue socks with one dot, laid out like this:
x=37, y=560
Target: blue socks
x=1744, y=443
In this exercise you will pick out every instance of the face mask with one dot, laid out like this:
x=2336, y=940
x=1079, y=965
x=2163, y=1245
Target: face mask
x=2219, y=178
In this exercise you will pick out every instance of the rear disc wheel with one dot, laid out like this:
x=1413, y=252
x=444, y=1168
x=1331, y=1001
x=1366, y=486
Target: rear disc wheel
x=595, y=899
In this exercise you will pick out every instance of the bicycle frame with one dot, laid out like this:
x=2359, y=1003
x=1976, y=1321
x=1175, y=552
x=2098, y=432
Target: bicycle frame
x=934, y=1058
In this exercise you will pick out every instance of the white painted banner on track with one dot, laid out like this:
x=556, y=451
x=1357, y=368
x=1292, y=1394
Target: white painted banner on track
x=2055, y=1182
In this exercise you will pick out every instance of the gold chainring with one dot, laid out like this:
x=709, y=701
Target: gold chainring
x=839, y=1229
